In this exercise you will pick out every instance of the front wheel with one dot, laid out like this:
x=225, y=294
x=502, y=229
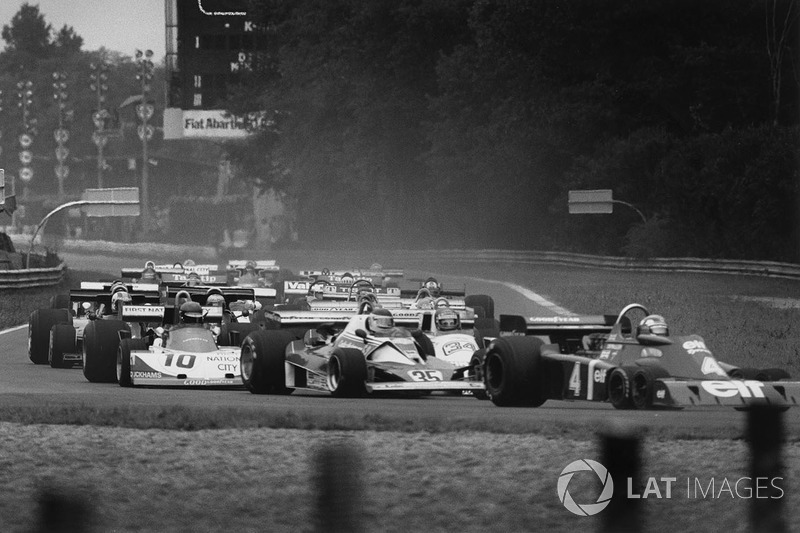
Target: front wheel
x=347, y=373
x=262, y=361
x=513, y=372
x=619, y=388
x=100, y=346
x=126, y=346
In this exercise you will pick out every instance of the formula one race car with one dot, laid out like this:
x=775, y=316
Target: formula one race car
x=182, y=354
x=56, y=336
x=602, y=358
x=344, y=354
x=430, y=291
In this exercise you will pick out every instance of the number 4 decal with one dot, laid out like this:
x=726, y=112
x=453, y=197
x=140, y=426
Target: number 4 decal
x=575, y=380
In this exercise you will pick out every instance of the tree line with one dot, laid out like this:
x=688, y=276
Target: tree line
x=464, y=123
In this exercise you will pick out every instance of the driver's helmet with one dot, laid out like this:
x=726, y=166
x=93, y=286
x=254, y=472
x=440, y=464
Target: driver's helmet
x=119, y=298
x=250, y=267
x=191, y=313
x=214, y=298
x=653, y=325
x=447, y=319
x=317, y=291
x=347, y=278
x=433, y=287
x=189, y=263
x=193, y=279
x=380, y=320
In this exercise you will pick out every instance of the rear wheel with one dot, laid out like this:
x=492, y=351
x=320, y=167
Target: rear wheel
x=234, y=333
x=39, y=325
x=347, y=373
x=126, y=346
x=262, y=361
x=619, y=388
x=513, y=372
x=643, y=386
x=100, y=346
x=62, y=340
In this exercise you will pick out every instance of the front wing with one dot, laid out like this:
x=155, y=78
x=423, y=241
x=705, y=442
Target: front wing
x=733, y=393
x=181, y=369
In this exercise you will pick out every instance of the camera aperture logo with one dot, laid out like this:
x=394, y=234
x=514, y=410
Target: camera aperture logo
x=585, y=509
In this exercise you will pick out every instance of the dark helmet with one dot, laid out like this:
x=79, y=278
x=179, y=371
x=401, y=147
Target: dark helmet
x=653, y=325
x=193, y=279
x=191, y=313
x=433, y=287
x=380, y=320
x=149, y=274
x=447, y=319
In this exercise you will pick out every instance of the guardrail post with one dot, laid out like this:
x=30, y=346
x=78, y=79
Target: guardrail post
x=621, y=455
x=765, y=434
x=339, y=488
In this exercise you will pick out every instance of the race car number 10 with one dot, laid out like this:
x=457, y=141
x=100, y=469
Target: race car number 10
x=184, y=360
x=425, y=375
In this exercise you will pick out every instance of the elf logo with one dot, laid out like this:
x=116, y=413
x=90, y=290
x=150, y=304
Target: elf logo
x=729, y=389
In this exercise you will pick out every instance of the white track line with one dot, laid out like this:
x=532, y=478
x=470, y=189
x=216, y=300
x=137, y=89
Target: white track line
x=527, y=293
x=11, y=330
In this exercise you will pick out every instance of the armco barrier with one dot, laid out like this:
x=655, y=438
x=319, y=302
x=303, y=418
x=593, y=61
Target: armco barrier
x=32, y=277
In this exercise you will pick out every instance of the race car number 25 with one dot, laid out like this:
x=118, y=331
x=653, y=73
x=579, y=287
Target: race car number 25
x=425, y=375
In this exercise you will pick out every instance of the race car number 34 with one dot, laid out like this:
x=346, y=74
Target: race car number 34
x=425, y=375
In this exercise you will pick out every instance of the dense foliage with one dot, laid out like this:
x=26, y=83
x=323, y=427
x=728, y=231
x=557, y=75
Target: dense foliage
x=465, y=123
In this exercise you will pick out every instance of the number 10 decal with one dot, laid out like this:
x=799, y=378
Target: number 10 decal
x=184, y=360
x=425, y=375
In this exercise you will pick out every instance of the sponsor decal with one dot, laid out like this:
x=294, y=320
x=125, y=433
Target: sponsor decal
x=600, y=375
x=143, y=310
x=603, y=499
x=456, y=346
x=661, y=394
x=605, y=354
x=148, y=375
x=711, y=366
x=614, y=346
x=729, y=389
x=695, y=346
x=191, y=382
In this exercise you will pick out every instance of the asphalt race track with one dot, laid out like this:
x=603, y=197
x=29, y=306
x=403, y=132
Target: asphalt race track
x=24, y=384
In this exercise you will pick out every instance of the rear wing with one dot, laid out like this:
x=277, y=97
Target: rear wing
x=100, y=292
x=337, y=275
x=175, y=268
x=261, y=266
x=449, y=293
x=231, y=294
x=299, y=319
x=566, y=331
x=335, y=292
x=165, y=313
x=210, y=277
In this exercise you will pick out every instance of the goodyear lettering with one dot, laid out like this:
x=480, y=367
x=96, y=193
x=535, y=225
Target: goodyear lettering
x=192, y=382
x=729, y=389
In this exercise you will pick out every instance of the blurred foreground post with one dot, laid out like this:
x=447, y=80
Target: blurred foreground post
x=339, y=488
x=621, y=455
x=62, y=513
x=765, y=434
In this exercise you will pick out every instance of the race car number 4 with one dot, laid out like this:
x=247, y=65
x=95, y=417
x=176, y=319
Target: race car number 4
x=425, y=375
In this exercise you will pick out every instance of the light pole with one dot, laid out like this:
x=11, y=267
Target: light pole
x=98, y=84
x=25, y=94
x=145, y=111
x=61, y=134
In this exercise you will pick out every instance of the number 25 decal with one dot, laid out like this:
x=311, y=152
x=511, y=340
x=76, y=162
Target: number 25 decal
x=425, y=375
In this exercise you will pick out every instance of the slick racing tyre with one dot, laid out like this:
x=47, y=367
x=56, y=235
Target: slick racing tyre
x=347, y=373
x=62, y=340
x=772, y=374
x=39, y=324
x=100, y=346
x=124, y=359
x=619, y=388
x=483, y=301
x=262, y=361
x=643, y=386
x=513, y=372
